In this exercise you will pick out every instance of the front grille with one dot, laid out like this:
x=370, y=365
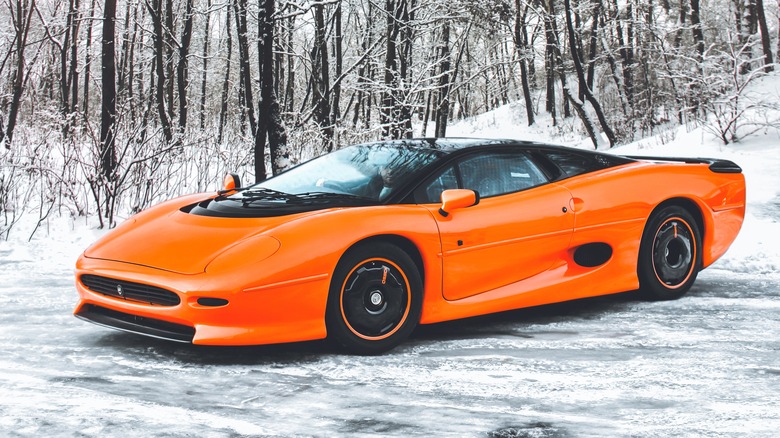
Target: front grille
x=130, y=291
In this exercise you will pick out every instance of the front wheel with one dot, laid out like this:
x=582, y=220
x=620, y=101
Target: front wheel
x=669, y=255
x=375, y=299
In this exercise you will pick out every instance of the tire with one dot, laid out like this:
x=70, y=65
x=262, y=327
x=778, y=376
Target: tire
x=669, y=254
x=375, y=299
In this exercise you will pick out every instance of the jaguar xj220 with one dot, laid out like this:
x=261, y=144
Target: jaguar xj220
x=363, y=244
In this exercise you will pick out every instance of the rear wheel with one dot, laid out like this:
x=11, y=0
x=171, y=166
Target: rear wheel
x=669, y=255
x=375, y=299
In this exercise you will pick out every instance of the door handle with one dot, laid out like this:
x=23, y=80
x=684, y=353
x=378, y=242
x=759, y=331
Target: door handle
x=576, y=204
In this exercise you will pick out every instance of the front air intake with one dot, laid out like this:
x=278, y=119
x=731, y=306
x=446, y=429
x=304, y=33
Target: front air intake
x=128, y=290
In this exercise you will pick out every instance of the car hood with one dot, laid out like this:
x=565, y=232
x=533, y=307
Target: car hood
x=176, y=241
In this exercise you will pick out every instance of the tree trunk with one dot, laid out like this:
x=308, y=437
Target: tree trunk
x=23, y=14
x=680, y=24
x=387, y=115
x=73, y=74
x=338, y=60
x=745, y=21
x=626, y=54
x=226, y=83
x=67, y=60
x=521, y=41
x=320, y=80
x=88, y=60
x=594, y=29
x=362, y=95
x=443, y=101
x=168, y=43
x=698, y=34
x=155, y=10
x=407, y=38
x=245, y=84
x=182, y=69
x=557, y=53
x=765, y=43
x=269, y=105
x=108, y=96
x=204, y=78
x=549, y=64
x=123, y=64
x=289, y=89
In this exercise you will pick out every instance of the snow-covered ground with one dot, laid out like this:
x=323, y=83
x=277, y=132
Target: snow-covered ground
x=707, y=364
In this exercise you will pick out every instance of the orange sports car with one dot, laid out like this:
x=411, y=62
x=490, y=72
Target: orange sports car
x=362, y=244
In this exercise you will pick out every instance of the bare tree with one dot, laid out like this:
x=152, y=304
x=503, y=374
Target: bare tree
x=205, y=59
x=108, y=157
x=156, y=11
x=698, y=33
x=523, y=48
x=88, y=60
x=320, y=77
x=443, y=95
x=272, y=123
x=21, y=15
x=766, y=45
x=226, y=82
x=583, y=84
x=245, y=73
x=182, y=69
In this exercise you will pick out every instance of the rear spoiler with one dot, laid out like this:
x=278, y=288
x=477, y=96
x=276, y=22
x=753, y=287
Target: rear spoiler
x=716, y=165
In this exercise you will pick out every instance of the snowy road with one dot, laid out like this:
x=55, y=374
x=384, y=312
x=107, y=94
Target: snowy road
x=707, y=364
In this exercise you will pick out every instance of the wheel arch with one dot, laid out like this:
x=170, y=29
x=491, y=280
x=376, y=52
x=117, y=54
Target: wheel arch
x=688, y=205
x=404, y=243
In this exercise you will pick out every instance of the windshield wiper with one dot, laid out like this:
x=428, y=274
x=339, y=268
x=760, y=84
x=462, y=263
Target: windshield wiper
x=252, y=195
x=263, y=194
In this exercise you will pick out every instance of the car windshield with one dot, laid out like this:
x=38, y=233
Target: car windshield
x=366, y=171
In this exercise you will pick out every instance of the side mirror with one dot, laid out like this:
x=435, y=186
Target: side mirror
x=231, y=182
x=454, y=199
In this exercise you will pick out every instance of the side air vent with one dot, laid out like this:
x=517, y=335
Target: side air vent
x=591, y=255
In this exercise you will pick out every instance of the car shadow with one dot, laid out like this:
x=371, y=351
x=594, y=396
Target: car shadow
x=507, y=323
x=133, y=345
x=498, y=324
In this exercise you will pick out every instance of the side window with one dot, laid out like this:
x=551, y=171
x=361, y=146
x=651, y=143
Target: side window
x=499, y=173
x=430, y=192
x=573, y=164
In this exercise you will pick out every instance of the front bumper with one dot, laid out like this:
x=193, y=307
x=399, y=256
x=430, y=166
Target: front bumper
x=275, y=312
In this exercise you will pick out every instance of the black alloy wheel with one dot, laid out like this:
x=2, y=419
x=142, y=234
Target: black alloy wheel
x=375, y=299
x=670, y=254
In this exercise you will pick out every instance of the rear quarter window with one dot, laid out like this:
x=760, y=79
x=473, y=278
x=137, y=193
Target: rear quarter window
x=573, y=164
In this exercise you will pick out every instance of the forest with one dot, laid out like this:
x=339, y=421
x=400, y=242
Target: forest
x=107, y=107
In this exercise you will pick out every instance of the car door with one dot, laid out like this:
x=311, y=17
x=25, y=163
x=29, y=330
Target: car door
x=520, y=227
